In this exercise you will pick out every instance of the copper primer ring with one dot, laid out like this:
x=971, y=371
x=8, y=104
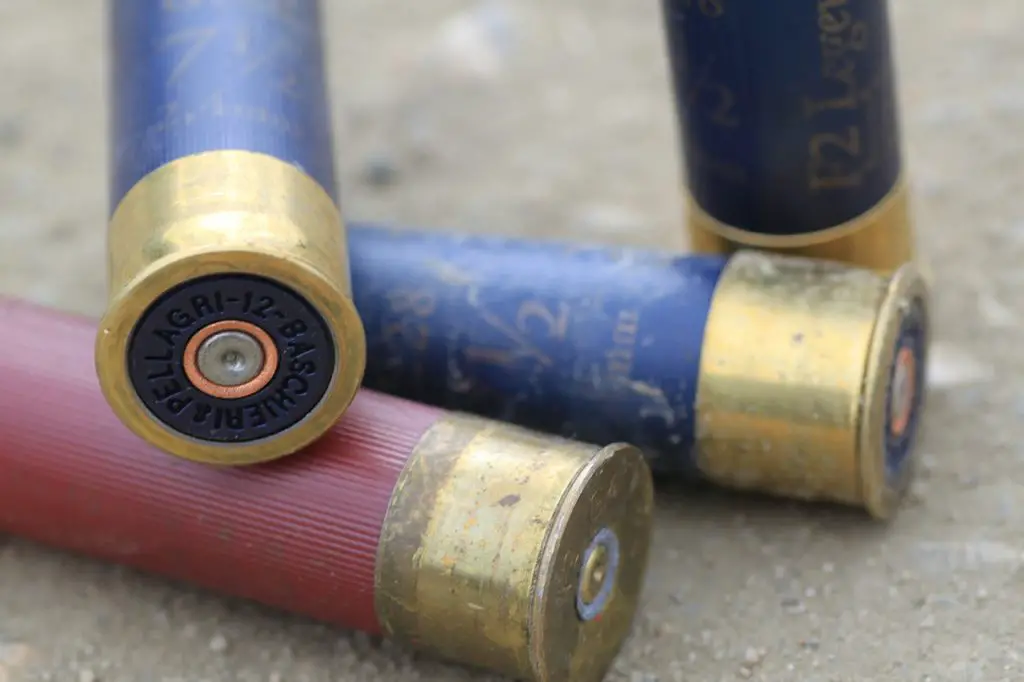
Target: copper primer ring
x=903, y=389
x=244, y=390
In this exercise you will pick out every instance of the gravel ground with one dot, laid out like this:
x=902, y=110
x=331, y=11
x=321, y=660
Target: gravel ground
x=563, y=127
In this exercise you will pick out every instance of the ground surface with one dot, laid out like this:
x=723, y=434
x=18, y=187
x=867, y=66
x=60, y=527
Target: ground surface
x=566, y=130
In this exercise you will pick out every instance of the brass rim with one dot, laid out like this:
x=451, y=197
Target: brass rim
x=882, y=495
x=890, y=208
x=335, y=307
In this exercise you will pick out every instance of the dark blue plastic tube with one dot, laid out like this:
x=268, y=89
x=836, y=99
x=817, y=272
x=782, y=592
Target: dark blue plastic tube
x=193, y=76
x=789, y=125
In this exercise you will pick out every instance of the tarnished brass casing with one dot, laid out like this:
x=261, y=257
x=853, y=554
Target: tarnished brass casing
x=223, y=213
x=570, y=523
x=812, y=380
x=881, y=239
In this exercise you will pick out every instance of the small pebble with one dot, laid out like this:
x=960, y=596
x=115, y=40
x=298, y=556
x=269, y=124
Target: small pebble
x=928, y=465
x=608, y=219
x=995, y=313
x=380, y=171
x=86, y=676
x=793, y=605
x=14, y=659
x=950, y=366
x=637, y=676
x=918, y=492
x=11, y=133
x=219, y=643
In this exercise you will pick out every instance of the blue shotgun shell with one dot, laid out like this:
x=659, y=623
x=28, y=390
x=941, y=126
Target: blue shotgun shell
x=226, y=246
x=786, y=375
x=789, y=124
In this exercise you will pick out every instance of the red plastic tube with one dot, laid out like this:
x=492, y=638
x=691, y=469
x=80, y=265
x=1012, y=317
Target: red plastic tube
x=73, y=477
x=344, y=531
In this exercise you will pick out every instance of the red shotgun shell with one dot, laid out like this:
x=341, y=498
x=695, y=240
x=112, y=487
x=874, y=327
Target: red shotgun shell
x=469, y=539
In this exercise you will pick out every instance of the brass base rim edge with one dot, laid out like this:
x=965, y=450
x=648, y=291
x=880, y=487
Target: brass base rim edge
x=636, y=569
x=334, y=304
x=880, y=497
x=700, y=220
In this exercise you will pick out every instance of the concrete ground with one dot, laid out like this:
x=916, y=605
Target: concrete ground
x=562, y=127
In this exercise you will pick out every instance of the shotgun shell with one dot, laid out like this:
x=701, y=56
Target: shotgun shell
x=792, y=376
x=230, y=336
x=790, y=128
x=465, y=538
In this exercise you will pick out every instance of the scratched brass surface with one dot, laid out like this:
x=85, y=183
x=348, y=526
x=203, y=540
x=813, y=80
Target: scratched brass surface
x=881, y=239
x=483, y=546
x=227, y=212
x=794, y=376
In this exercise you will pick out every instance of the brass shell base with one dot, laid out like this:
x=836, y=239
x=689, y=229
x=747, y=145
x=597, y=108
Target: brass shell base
x=881, y=239
x=484, y=544
x=227, y=212
x=795, y=372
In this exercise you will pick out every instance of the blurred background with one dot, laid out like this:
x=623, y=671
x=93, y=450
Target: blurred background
x=554, y=120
